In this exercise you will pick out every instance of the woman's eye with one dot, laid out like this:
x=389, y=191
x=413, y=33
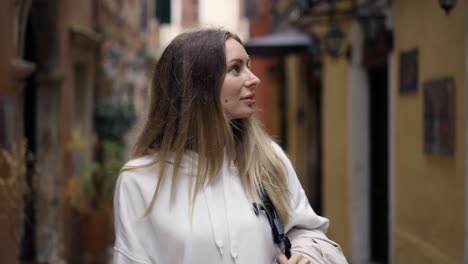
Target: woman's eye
x=235, y=69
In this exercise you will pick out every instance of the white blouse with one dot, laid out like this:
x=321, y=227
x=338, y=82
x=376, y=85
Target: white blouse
x=223, y=228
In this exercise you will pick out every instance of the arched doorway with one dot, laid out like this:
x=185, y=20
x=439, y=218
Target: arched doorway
x=37, y=44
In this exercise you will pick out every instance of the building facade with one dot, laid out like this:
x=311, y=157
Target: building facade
x=392, y=128
x=394, y=180
x=59, y=59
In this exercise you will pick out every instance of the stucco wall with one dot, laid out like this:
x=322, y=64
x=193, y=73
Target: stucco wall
x=6, y=47
x=429, y=189
x=81, y=13
x=9, y=235
x=335, y=154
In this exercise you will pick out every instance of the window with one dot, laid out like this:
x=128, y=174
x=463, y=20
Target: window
x=163, y=11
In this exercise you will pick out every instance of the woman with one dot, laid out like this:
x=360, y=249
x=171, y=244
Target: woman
x=200, y=163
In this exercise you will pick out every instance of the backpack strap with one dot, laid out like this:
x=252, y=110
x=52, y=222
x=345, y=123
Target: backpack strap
x=277, y=228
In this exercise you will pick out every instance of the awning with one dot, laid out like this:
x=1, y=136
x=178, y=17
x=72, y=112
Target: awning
x=280, y=43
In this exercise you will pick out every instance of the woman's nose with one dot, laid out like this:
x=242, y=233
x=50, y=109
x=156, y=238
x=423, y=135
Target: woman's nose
x=253, y=80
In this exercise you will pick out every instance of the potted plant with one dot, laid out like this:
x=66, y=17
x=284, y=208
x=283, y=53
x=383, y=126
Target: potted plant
x=91, y=192
x=13, y=188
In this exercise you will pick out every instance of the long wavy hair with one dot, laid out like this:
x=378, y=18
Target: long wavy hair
x=185, y=114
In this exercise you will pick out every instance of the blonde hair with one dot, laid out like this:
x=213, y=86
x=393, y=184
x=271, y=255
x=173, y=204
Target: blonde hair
x=185, y=114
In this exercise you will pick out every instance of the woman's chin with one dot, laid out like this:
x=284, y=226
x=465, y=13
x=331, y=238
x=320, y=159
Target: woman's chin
x=243, y=115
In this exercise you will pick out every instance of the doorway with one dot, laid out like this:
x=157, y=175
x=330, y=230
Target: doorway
x=28, y=245
x=378, y=163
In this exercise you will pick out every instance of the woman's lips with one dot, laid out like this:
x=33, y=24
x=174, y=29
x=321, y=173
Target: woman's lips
x=249, y=99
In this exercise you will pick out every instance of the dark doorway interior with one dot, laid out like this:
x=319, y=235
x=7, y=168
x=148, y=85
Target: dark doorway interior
x=28, y=252
x=282, y=103
x=315, y=69
x=318, y=186
x=378, y=103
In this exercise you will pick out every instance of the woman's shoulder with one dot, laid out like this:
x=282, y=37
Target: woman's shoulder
x=138, y=169
x=276, y=146
x=279, y=151
x=140, y=162
x=141, y=174
x=147, y=168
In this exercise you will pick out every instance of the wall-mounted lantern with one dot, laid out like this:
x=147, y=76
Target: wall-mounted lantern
x=333, y=40
x=447, y=5
x=330, y=13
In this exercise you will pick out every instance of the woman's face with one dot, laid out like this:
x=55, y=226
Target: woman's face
x=238, y=90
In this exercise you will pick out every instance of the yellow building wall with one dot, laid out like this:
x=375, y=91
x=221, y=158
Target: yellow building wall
x=335, y=151
x=429, y=189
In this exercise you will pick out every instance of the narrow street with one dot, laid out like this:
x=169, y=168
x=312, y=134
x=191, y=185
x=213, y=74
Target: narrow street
x=367, y=98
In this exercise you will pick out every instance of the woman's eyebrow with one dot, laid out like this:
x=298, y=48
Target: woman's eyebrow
x=247, y=61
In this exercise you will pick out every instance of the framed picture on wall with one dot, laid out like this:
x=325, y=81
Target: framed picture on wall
x=439, y=119
x=409, y=68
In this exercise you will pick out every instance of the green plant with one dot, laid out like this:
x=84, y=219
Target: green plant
x=13, y=183
x=94, y=187
x=112, y=119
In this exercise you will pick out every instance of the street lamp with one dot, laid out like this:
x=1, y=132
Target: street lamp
x=447, y=5
x=334, y=40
